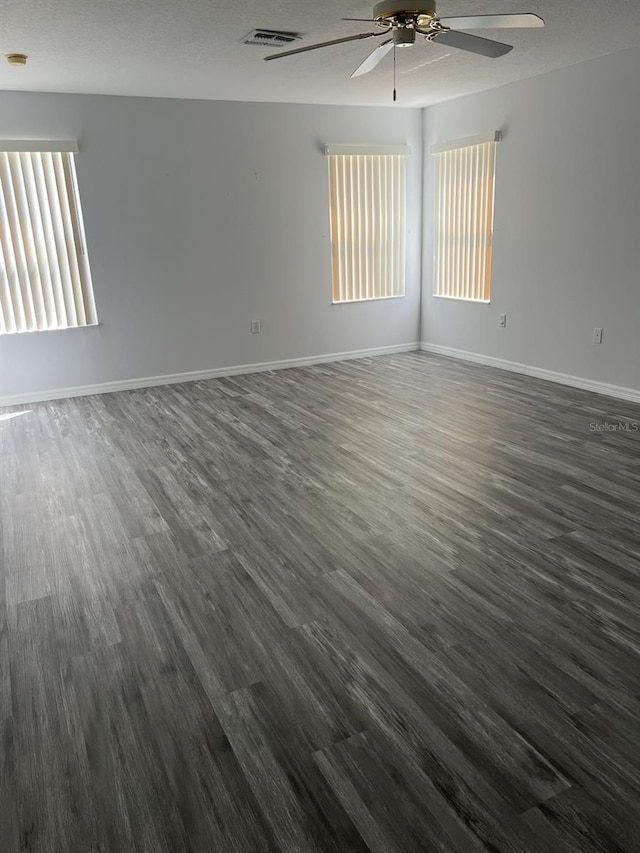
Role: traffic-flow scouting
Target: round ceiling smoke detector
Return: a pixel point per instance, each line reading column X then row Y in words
column 16, row 58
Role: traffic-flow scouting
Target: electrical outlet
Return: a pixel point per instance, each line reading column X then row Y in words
column 502, row 320
column 255, row 327
column 597, row 336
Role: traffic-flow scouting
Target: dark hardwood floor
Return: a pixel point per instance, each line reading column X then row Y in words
column 389, row 605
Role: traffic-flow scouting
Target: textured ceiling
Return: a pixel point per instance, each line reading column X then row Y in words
column 192, row 49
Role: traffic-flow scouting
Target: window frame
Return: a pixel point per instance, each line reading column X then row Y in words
column 357, row 207
column 45, row 282
column 464, row 213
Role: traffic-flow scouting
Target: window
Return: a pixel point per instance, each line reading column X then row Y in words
column 465, row 172
column 367, row 187
column 45, row 282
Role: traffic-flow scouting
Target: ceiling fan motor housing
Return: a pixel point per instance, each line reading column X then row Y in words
column 400, row 12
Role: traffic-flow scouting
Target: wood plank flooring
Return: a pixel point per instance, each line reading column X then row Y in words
column 388, row 605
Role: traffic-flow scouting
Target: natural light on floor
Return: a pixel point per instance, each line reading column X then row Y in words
column 9, row 415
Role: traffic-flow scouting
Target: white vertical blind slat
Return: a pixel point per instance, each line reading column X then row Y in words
column 399, row 181
column 375, row 283
column 11, row 304
column 453, row 200
column 471, row 224
column 36, row 200
column 342, row 242
column 32, row 281
column 490, row 208
column 336, row 225
column 449, row 281
column 81, row 256
column 464, row 276
column 45, row 281
column 355, row 224
column 386, row 231
column 457, row 224
column 402, row 206
column 368, row 245
column 442, row 216
column 375, row 225
column 483, row 222
column 7, row 316
column 390, row 230
column 440, row 225
column 482, row 180
column 66, row 253
column 360, row 193
column 476, row 239
column 468, row 222
column 396, row 216
column 46, row 205
column 22, row 298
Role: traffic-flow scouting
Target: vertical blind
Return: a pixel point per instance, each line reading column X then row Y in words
column 464, row 221
column 45, row 281
column 367, row 211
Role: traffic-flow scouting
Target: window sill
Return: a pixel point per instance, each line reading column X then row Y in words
column 462, row 299
column 45, row 331
column 366, row 299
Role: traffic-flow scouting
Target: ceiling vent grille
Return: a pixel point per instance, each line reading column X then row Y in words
column 270, row 38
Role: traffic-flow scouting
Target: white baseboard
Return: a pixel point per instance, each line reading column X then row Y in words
column 581, row 382
column 195, row 375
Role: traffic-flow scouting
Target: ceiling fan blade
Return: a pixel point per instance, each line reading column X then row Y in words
column 321, row 44
column 374, row 58
column 473, row 44
column 488, row 22
column 367, row 20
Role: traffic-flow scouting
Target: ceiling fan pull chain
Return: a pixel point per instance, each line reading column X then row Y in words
column 394, row 71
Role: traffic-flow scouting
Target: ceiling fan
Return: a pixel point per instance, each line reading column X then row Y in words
column 401, row 21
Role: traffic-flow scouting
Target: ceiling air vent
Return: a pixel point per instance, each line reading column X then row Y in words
column 272, row 38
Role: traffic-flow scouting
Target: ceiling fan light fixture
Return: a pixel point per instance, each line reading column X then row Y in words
column 404, row 36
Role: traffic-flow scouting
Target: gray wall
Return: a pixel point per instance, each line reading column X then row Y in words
column 567, row 222
column 201, row 216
